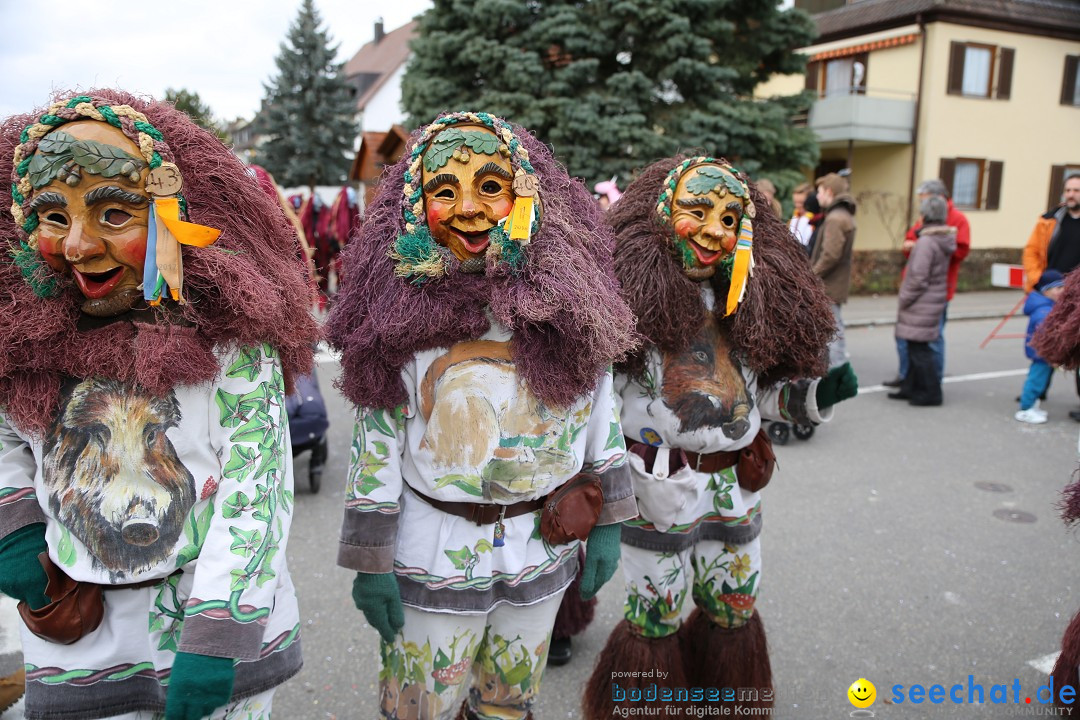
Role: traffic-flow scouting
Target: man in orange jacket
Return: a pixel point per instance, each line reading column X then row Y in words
column 1055, row 244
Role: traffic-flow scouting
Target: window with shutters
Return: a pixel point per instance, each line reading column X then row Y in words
column 839, row 76
column 1070, row 84
column 980, row 71
column 973, row 183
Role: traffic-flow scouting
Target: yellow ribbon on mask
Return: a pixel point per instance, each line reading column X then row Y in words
column 172, row 232
column 743, row 265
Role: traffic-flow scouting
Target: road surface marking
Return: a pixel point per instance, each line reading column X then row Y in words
column 1045, row 664
column 953, row 379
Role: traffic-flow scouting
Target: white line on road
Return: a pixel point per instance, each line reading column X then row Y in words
column 1046, row 663
column 954, row 379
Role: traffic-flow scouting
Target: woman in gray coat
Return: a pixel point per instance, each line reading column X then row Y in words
column 923, row 295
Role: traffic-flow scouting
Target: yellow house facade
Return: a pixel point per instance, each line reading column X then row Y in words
column 985, row 95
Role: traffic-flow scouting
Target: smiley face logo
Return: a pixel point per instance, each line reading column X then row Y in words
column 862, row 693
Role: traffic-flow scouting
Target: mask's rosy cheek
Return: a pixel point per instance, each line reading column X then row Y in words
column 130, row 249
column 500, row 208
column 438, row 213
column 686, row 228
column 51, row 248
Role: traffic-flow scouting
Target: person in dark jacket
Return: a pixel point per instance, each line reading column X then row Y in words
column 1040, row 301
column 923, row 295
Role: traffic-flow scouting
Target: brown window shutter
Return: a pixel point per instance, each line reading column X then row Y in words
column 956, row 67
column 1068, row 84
column 813, row 70
column 1057, row 185
column 946, row 172
column 1005, row 73
column 993, row 185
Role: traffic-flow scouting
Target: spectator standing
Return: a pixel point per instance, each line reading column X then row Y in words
column 830, row 258
column 923, row 296
column 955, row 219
column 768, row 189
column 1040, row 301
column 1055, row 244
column 799, row 225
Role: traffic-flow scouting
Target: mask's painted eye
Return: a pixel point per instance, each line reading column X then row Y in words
column 57, row 218
column 115, row 217
column 728, row 220
column 699, row 214
column 446, row 194
column 491, row 187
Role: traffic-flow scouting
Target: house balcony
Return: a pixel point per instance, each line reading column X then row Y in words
column 864, row 118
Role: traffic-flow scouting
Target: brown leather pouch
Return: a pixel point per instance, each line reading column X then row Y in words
column 756, row 463
column 571, row 512
column 75, row 611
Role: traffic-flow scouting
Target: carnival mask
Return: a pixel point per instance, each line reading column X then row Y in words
column 708, row 207
column 468, row 189
column 706, row 211
column 94, row 213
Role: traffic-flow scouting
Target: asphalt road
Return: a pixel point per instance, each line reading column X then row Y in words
column 892, row 551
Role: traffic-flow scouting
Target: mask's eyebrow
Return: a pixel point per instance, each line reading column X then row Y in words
column 439, row 180
column 48, row 198
column 495, row 170
column 112, row 192
column 734, row 205
column 694, row 202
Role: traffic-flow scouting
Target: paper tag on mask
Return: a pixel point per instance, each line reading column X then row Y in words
column 521, row 218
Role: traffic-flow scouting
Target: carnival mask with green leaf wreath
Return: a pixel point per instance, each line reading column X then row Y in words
column 707, row 204
column 470, row 194
column 97, row 199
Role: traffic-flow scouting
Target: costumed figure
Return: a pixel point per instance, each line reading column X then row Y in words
column 732, row 318
column 155, row 316
column 1058, row 342
column 344, row 217
column 477, row 325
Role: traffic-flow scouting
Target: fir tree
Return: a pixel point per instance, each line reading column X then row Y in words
column 615, row 84
column 200, row 113
column 309, row 110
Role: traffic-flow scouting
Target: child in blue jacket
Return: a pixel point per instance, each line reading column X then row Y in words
column 1037, row 306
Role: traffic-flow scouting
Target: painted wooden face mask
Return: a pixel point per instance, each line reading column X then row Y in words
column 468, row 189
column 94, row 213
column 102, row 209
column 710, row 211
column 705, row 215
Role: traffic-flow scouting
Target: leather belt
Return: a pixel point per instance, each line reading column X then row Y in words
column 483, row 513
column 700, row 462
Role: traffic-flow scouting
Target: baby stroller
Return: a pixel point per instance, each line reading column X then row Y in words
column 307, row 425
column 780, row 432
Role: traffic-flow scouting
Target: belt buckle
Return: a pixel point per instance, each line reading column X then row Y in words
column 697, row 464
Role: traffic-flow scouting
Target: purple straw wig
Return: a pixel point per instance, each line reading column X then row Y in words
column 245, row 289
column 562, row 305
column 781, row 327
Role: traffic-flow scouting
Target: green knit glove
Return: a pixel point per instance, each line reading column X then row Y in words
column 21, row 574
column 839, row 384
column 378, row 597
column 198, row 685
column 601, row 558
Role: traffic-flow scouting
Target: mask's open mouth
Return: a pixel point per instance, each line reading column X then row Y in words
column 474, row 242
column 97, row 285
column 704, row 255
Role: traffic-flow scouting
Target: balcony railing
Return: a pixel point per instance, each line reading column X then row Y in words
column 877, row 116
